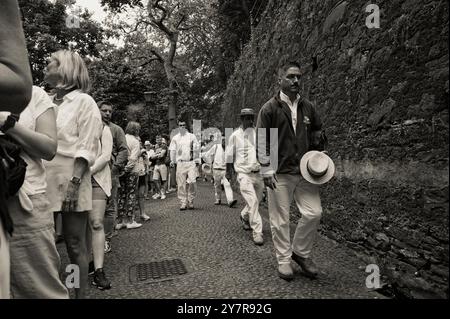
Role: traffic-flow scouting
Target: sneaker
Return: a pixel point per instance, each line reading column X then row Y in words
column 232, row 203
column 217, row 202
column 91, row 268
column 245, row 223
column 107, row 246
column 190, row 205
column 308, row 266
column 100, row 280
column 258, row 239
column 183, row 207
column 156, row 196
column 145, row 217
column 285, row 272
column 163, row 196
column 133, row 225
column 120, row 226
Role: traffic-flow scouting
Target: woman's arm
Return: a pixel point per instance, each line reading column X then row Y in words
column 15, row 74
column 41, row 143
column 105, row 156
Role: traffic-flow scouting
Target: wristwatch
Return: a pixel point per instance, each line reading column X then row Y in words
column 75, row 180
column 9, row 123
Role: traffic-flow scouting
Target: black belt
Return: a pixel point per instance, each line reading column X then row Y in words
column 219, row 169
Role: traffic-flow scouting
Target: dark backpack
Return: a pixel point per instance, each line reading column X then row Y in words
column 12, row 175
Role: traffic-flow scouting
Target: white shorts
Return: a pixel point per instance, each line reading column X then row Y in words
column 160, row 171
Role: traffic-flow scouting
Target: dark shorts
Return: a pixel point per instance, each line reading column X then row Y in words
column 141, row 180
column 97, row 191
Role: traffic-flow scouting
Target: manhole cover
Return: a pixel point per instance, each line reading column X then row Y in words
column 158, row 270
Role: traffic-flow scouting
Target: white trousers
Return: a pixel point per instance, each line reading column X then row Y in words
column 186, row 174
column 307, row 198
column 219, row 179
column 251, row 186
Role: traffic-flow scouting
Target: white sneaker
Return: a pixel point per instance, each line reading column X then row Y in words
column 163, row 196
column 156, row 196
column 145, row 217
column 133, row 225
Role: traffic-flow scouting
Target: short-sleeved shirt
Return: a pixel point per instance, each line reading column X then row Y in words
column 35, row 180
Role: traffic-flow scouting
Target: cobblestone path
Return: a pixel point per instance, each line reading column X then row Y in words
column 221, row 259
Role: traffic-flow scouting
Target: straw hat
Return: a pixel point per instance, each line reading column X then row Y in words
column 317, row 167
column 247, row 111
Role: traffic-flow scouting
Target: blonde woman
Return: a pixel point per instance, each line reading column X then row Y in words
column 79, row 128
column 128, row 196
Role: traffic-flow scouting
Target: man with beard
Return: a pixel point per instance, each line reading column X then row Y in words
column 298, row 125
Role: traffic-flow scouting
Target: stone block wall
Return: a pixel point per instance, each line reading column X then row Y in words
column 383, row 96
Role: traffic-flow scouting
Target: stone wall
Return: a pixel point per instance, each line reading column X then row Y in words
column 383, row 96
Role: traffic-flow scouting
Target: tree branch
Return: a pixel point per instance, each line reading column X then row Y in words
column 149, row 61
column 182, row 19
column 159, row 23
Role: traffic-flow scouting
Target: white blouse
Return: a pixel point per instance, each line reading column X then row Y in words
column 79, row 126
column 35, row 181
column 101, row 170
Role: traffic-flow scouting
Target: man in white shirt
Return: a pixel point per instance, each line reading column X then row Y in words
column 216, row 156
column 184, row 153
column 241, row 150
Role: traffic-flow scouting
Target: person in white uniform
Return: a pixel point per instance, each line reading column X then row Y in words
column 241, row 150
column 216, row 156
column 184, row 153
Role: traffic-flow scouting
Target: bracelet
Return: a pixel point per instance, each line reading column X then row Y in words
column 9, row 123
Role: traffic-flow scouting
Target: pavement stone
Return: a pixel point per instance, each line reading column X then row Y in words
column 225, row 262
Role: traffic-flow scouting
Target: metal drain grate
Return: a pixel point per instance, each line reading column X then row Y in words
column 157, row 270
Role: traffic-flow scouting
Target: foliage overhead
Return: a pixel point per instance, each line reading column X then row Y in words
column 46, row 31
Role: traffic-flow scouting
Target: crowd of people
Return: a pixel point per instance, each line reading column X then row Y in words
column 95, row 177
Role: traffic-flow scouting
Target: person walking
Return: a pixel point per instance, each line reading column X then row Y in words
column 241, row 150
column 184, row 153
column 216, row 156
column 298, row 124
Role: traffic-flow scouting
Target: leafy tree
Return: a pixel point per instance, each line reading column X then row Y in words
column 46, row 31
column 170, row 24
